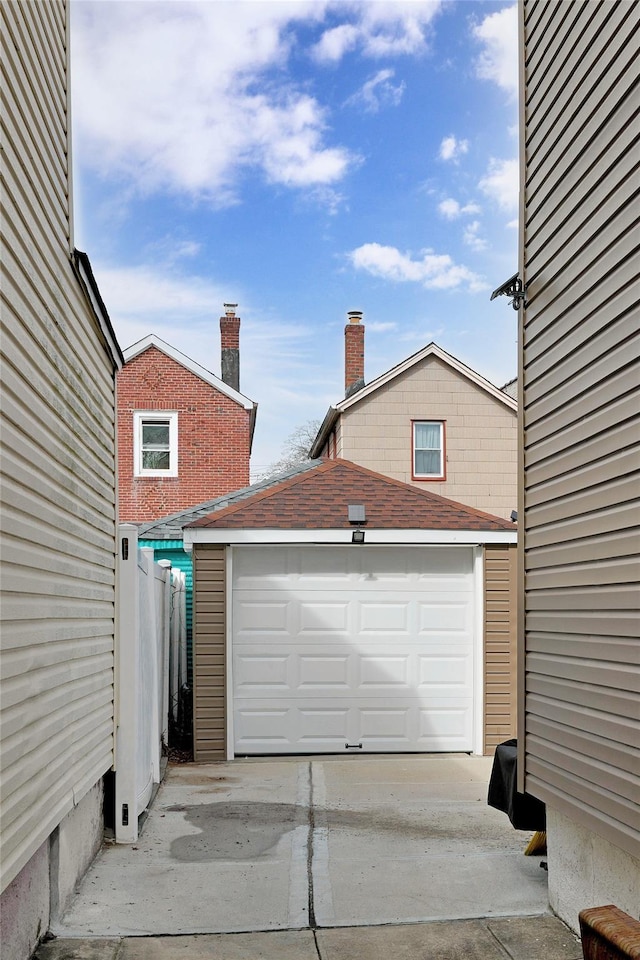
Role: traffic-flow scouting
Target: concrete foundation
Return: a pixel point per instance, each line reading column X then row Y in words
column 46, row 884
column 587, row 871
column 73, row 847
column 24, row 908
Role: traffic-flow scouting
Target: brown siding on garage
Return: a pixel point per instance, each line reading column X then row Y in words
column 580, row 403
column 209, row 637
column 499, row 645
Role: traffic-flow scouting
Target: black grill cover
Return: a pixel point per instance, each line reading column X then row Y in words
column 524, row 811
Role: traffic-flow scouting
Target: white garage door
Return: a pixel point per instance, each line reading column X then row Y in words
column 352, row 648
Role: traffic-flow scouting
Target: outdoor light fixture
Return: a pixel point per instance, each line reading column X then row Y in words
column 357, row 536
column 512, row 287
column 514, row 516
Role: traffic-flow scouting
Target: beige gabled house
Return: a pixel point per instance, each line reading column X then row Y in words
column 430, row 421
column 579, row 723
column 58, row 507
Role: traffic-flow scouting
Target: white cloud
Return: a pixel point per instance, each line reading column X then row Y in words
column 501, row 183
column 379, row 28
column 498, row 61
column 149, row 78
column 472, row 236
column 380, row 326
column 450, row 209
column 335, row 43
column 154, row 298
column 434, row 271
column 452, row 149
column 378, row 92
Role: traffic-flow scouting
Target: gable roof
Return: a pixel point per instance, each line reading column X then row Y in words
column 318, row 500
column 171, row 526
column 431, row 350
column 152, row 341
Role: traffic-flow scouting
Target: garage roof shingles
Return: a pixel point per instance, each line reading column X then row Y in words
column 319, row 499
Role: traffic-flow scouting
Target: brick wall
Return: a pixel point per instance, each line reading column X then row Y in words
column 213, row 438
column 353, row 354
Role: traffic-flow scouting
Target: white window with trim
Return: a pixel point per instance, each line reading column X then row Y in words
column 428, row 450
column 155, row 443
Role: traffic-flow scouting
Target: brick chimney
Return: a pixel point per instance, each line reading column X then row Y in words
column 353, row 353
column 230, row 346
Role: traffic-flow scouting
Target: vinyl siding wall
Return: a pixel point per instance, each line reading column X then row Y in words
column 580, row 420
column 209, row 632
column 481, row 435
column 500, row 597
column 58, row 461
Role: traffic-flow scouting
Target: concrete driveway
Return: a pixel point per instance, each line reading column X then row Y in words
column 286, row 844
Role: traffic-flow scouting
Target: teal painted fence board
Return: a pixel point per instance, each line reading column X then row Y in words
column 173, row 551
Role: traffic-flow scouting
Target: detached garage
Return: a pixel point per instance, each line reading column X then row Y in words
column 314, row 633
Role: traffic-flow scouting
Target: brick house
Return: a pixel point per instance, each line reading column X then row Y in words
column 184, row 434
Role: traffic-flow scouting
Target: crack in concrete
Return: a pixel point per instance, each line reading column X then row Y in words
column 310, row 836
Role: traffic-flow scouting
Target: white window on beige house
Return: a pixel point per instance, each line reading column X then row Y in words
column 428, row 450
column 155, row 443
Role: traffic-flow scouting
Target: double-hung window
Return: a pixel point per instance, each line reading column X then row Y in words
column 155, row 443
column 428, row 450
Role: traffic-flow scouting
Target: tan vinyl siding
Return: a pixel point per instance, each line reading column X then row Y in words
column 581, row 413
column 209, row 637
column 480, row 435
column 499, row 645
column 35, row 112
column 57, row 508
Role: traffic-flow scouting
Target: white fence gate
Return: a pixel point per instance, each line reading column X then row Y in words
column 150, row 637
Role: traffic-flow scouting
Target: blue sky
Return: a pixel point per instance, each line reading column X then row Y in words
column 300, row 158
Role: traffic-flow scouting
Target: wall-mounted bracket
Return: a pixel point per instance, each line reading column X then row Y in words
column 514, row 288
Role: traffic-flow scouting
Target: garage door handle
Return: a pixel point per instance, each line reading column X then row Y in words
column 353, row 746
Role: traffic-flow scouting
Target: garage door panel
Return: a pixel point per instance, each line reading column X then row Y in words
column 389, row 724
column 322, row 725
column 323, row 617
column 265, row 671
column 445, row 672
column 265, row 728
column 373, row 617
column 350, row 645
column 326, row 564
column 449, row 725
column 285, row 669
column 325, row 671
column 439, row 618
column 382, row 672
column 313, row 727
column 255, row 568
column 267, row 616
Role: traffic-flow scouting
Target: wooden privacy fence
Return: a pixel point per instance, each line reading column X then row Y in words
column 150, row 650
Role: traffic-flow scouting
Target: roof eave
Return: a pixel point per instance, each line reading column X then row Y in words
column 323, row 433
column 84, row 273
column 342, row 536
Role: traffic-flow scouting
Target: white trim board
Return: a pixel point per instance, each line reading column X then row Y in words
column 401, row 537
